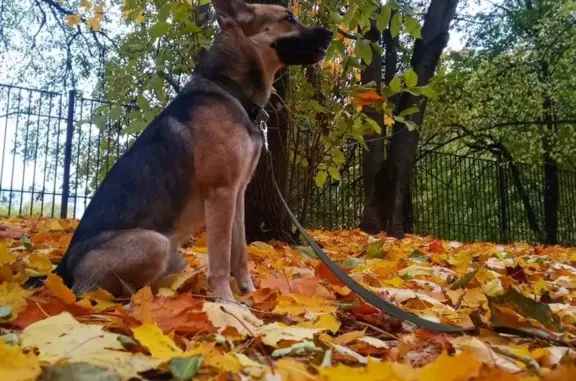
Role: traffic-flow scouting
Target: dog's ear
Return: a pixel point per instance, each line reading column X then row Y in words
column 232, row 12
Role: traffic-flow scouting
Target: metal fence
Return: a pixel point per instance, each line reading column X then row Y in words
column 53, row 157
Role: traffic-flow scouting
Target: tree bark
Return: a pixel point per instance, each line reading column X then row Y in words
column 265, row 217
column 392, row 182
column 372, row 157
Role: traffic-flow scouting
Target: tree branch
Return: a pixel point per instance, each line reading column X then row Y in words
column 170, row 80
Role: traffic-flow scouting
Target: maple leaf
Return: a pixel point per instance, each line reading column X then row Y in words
column 296, row 304
column 13, row 297
column 160, row 346
column 55, row 284
column 462, row 367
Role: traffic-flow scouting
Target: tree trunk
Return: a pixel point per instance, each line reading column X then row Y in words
column 392, row 182
column 372, row 157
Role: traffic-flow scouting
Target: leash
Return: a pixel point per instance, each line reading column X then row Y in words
column 362, row 292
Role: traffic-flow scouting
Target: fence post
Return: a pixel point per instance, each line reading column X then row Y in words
column 68, row 153
column 503, row 200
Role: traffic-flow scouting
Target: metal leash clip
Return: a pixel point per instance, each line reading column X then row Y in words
column 261, row 121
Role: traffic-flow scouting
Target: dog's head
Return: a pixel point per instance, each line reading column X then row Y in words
column 274, row 31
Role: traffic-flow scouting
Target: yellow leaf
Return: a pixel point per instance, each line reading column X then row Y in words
column 54, row 225
column 296, row 304
column 540, row 286
column 61, row 337
column 227, row 363
column 86, row 4
column 292, row 370
column 272, row 334
column 349, row 337
column 374, row 371
column 17, row 366
column 40, row 263
column 99, row 10
column 159, row 345
column 13, row 296
column 139, row 19
column 55, row 284
column 324, row 322
column 94, row 23
column 6, row 257
column 462, row 367
column 388, row 120
column 100, row 300
column 73, row 20
column 396, row 282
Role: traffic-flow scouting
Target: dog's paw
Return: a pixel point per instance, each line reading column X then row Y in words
column 245, row 284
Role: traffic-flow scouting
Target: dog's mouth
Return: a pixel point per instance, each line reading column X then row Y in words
column 306, row 48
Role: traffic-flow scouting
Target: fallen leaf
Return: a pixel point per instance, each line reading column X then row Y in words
column 462, row 367
column 61, row 337
column 160, row 346
column 296, row 304
column 349, row 337
column 13, row 296
column 55, row 284
column 228, row 315
column 323, row 322
column 16, row 365
column 272, row 334
column 185, row 368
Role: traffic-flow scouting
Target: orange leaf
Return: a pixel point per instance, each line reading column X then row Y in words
column 304, row 286
column 367, row 98
column 181, row 313
column 322, row 271
column 55, row 284
column 436, row 247
column 44, row 305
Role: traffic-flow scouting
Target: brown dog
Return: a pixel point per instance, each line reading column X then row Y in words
column 190, row 167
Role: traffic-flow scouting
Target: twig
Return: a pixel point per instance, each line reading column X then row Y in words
column 270, row 362
column 380, row 330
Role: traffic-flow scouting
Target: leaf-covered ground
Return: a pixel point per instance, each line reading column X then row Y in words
column 302, row 324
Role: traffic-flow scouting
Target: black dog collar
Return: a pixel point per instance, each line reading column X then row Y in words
column 256, row 113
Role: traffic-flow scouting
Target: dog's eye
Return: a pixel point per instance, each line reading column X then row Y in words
column 291, row 19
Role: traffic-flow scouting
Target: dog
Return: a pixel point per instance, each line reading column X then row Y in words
column 190, row 167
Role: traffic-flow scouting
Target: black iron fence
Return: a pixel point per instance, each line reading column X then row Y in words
column 55, row 151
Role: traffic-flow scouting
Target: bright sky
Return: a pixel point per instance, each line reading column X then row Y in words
column 13, row 172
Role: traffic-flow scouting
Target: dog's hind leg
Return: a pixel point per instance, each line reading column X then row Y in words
column 220, row 204
column 239, row 260
column 133, row 258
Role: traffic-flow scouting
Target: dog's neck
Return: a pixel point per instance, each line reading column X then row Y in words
column 241, row 63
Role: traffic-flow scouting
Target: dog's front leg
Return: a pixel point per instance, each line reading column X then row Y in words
column 220, row 204
column 239, row 255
